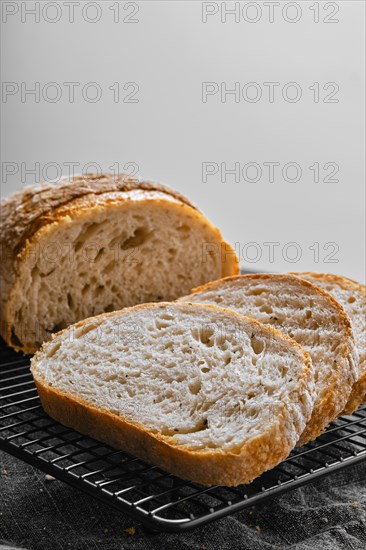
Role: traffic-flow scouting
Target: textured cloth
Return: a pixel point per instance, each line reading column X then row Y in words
column 41, row 514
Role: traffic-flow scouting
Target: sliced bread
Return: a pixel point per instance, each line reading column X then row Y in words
column 311, row 317
column 352, row 296
column 200, row 391
column 99, row 243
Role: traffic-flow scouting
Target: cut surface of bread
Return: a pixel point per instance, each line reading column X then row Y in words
column 200, row 391
column 308, row 315
column 352, row 296
column 96, row 244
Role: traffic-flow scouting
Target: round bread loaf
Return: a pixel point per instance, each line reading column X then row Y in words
column 99, row 243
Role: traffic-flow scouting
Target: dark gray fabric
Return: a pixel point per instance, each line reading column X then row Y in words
column 39, row 515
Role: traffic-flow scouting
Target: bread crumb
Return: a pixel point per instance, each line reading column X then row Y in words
column 258, row 528
column 105, row 531
column 5, row 472
column 49, row 478
column 354, row 503
column 130, row 531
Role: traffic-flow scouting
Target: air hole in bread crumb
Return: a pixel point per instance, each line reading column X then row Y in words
column 53, row 349
column 257, row 291
column 166, row 316
column 85, row 289
column 266, row 309
column 308, row 314
column 351, row 299
column 184, row 228
column 86, row 234
column 195, row 386
column 98, row 291
column 85, row 329
column 109, row 267
column 70, row 301
column 252, row 413
column 169, row 345
column 111, row 378
column 283, row 370
column 160, row 324
column 257, row 345
column 205, row 369
column 221, row 342
column 334, row 347
column 35, row 272
column 138, row 238
column 204, row 335
column 99, row 254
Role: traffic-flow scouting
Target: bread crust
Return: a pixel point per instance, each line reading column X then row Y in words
column 29, row 212
column 25, row 212
column 339, row 390
column 207, row 467
column 358, row 393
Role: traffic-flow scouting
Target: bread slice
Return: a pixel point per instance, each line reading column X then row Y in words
column 308, row 315
column 352, row 296
column 199, row 391
column 99, row 243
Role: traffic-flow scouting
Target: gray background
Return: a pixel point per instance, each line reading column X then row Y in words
column 169, row 132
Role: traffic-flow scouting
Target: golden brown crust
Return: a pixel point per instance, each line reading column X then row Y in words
column 207, row 467
column 343, row 282
column 331, row 404
column 358, row 393
column 30, row 211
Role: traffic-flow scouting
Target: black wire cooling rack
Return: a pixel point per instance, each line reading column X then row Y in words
column 155, row 498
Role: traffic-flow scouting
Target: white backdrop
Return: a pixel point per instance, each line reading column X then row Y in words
column 145, row 87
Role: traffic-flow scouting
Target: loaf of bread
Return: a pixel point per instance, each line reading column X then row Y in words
column 99, row 243
column 310, row 316
column 352, row 296
column 200, row 391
